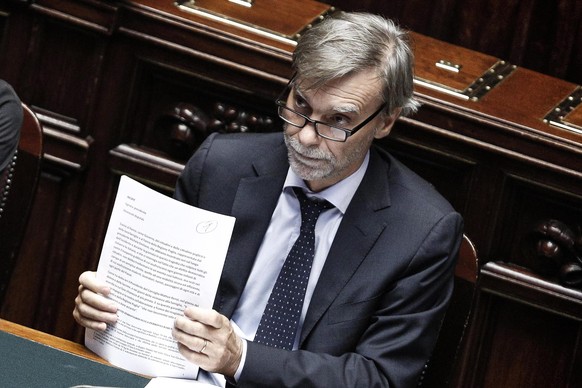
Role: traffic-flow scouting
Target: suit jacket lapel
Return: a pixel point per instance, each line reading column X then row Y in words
column 253, row 206
column 359, row 229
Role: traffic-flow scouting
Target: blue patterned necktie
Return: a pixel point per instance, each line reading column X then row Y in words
column 279, row 322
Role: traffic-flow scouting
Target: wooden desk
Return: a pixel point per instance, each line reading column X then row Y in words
column 49, row 340
column 31, row 359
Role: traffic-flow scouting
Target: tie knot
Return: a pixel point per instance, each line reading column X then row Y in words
column 310, row 208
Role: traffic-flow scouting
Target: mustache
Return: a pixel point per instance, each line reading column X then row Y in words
column 308, row 152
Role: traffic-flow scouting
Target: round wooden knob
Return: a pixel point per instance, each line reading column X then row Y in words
column 181, row 129
column 548, row 257
column 571, row 275
column 549, row 246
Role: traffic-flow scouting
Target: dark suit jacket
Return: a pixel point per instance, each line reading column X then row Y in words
column 376, row 311
column 10, row 122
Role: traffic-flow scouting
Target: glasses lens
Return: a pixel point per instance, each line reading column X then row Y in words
column 324, row 130
column 291, row 117
column 331, row 132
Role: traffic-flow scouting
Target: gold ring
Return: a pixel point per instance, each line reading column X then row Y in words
column 204, row 347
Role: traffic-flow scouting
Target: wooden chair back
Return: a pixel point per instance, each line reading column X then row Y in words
column 19, row 182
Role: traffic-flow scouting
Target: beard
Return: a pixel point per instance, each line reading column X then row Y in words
column 313, row 164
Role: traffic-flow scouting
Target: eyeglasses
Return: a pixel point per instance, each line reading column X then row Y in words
column 324, row 130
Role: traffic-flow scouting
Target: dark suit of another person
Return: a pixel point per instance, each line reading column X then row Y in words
column 10, row 122
column 384, row 289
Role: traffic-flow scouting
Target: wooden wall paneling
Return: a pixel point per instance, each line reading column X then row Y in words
column 214, row 42
column 40, row 259
column 527, row 195
column 173, row 111
column 58, row 79
column 63, row 49
column 539, row 35
column 437, row 159
column 494, row 136
column 187, row 63
column 16, row 28
column 529, row 348
column 417, row 15
column 532, row 319
column 4, row 31
column 527, row 201
column 165, row 83
column 551, row 47
column 92, row 14
column 160, row 88
column 515, row 106
column 576, row 379
column 495, row 37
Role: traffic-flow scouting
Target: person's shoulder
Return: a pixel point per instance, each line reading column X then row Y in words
column 4, row 86
column 7, row 93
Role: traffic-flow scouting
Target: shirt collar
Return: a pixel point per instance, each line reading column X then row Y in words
column 340, row 194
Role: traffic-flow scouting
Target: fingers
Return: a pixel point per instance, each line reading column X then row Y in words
column 88, row 323
column 93, row 300
column 207, row 339
column 93, row 309
column 206, row 317
column 191, row 342
column 191, row 327
column 89, row 280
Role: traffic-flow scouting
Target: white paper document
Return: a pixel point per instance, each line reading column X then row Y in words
column 159, row 256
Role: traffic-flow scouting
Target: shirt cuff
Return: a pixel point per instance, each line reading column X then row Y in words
column 242, row 360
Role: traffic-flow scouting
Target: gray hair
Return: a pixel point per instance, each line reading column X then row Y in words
column 347, row 43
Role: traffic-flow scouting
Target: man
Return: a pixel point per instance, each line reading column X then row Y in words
column 10, row 122
column 384, row 255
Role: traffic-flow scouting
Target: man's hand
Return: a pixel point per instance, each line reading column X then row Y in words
column 92, row 308
column 206, row 338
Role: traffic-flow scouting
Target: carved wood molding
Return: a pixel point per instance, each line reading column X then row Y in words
column 97, row 16
column 524, row 286
column 63, row 145
column 555, row 249
column 180, row 129
column 145, row 165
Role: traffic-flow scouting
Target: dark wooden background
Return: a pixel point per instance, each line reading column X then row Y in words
column 113, row 81
column 541, row 35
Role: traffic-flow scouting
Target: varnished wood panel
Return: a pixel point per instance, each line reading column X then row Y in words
column 528, row 331
column 59, row 49
column 160, row 89
column 453, row 173
column 528, row 348
column 540, row 35
column 526, row 201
